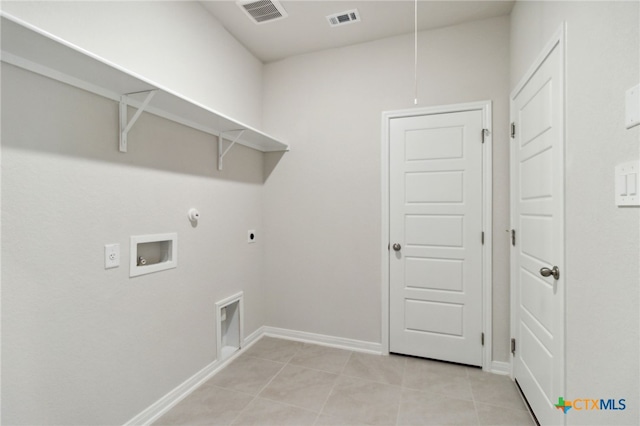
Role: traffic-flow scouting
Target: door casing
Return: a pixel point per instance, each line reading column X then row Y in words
column 485, row 108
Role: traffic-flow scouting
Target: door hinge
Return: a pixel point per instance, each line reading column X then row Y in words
column 513, row 237
column 482, row 339
column 485, row 133
column 482, row 238
column 513, row 130
column 513, row 346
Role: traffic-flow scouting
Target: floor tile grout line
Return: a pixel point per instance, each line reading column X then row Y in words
column 263, row 359
column 271, row 379
column 314, row 369
column 294, row 405
column 370, row 379
column 335, row 383
column 341, row 373
column 276, row 375
column 253, row 398
column 288, row 404
column 402, row 388
column 259, row 391
column 285, row 364
column 230, row 390
column 475, row 409
column 502, row 406
column 374, row 381
column 533, row 423
column 470, row 379
column 257, row 396
column 240, row 412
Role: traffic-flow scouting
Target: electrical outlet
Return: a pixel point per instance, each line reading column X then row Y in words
column 251, row 236
column 111, row 256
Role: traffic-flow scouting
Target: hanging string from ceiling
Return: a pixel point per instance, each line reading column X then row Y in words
column 415, row 52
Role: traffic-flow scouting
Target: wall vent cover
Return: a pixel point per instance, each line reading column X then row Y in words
column 263, row 11
column 343, row 18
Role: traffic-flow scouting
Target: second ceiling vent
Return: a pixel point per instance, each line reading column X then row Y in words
column 343, row 18
column 263, row 11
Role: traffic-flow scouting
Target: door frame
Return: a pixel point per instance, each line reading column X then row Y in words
column 558, row 40
column 487, row 181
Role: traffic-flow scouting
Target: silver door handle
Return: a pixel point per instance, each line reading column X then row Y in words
column 546, row 272
column 396, row 247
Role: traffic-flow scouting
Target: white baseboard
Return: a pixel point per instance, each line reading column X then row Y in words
column 171, row 399
column 253, row 337
column 164, row 404
column 500, row 367
column 324, row 340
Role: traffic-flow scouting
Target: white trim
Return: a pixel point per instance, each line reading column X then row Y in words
column 171, row 399
column 324, row 340
column 487, row 248
column 238, row 297
column 253, row 337
column 501, row 367
column 385, row 216
column 485, row 107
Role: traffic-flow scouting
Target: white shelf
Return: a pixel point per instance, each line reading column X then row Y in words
column 31, row 48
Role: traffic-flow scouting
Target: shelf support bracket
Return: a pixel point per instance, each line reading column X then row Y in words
column 222, row 153
column 126, row 126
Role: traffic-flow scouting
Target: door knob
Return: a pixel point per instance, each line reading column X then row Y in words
column 546, row 272
column 396, row 246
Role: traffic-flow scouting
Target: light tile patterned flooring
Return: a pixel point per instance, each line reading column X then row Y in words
column 281, row 382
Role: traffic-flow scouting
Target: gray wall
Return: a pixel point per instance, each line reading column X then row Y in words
column 322, row 203
column 176, row 44
column 85, row 345
column 602, row 240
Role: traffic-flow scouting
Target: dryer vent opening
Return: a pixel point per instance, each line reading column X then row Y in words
column 229, row 318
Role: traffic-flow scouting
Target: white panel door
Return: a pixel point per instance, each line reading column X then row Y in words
column 435, row 258
column 537, row 164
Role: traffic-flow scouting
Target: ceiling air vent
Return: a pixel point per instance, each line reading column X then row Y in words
column 263, row 11
column 342, row 18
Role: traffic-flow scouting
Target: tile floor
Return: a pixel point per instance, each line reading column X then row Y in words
column 281, row 382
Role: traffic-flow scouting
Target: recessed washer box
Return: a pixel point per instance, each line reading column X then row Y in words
column 153, row 253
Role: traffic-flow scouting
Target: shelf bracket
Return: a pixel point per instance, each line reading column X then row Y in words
column 126, row 125
column 222, row 153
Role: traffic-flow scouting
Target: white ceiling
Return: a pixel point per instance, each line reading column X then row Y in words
column 306, row 28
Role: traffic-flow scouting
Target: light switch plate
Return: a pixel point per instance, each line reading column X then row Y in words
column 632, row 107
column 627, row 183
